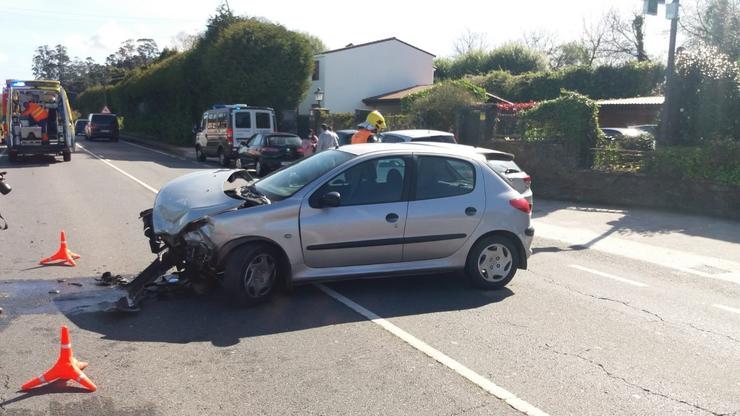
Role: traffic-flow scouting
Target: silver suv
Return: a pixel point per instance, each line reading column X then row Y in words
column 362, row 210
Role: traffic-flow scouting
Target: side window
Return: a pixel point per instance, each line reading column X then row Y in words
column 316, row 71
column 222, row 120
column 377, row 181
column 389, row 138
column 262, row 120
column 442, row 177
column 243, row 120
column 256, row 141
column 211, row 121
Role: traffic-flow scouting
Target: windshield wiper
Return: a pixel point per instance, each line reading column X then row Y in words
column 510, row 170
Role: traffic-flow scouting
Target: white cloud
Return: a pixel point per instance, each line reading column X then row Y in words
column 3, row 57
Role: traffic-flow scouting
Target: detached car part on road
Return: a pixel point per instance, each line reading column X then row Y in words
column 360, row 211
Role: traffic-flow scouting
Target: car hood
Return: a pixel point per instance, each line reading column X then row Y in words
column 190, row 198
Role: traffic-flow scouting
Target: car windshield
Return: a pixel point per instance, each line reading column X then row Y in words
column 286, row 182
column 284, row 141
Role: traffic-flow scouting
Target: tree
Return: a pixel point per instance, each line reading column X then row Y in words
column 317, row 45
column 626, row 37
column 593, row 40
column 572, row 53
column 51, row 63
column 543, row 41
column 182, row 41
column 438, row 108
column 470, row 42
column 715, row 23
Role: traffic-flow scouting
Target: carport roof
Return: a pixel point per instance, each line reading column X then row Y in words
column 656, row 100
column 394, row 96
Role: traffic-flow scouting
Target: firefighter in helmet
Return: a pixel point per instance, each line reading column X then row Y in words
column 366, row 130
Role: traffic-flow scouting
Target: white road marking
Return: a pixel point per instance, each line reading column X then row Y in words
column 128, row 175
column 607, row 275
column 418, row 344
column 727, row 308
column 156, row 151
column 440, row 357
column 673, row 259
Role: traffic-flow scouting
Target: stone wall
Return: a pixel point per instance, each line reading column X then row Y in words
column 555, row 175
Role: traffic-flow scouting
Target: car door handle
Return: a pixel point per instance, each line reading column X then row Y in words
column 470, row 211
column 391, row 217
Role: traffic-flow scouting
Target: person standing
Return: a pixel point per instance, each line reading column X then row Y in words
column 366, row 131
column 309, row 144
column 327, row 139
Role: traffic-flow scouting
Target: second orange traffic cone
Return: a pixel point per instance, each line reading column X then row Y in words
column 66, row 368
column 63, row 254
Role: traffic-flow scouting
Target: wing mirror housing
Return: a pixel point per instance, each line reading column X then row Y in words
column 331, row 200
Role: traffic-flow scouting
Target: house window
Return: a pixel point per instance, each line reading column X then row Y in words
column 315, row 76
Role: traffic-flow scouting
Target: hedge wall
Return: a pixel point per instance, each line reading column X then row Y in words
column 250, row 61
column 628, row 80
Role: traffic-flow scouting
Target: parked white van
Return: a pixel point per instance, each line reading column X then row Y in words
column 224, row 126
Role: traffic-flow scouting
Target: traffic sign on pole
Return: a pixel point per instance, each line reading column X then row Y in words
column 105, row 110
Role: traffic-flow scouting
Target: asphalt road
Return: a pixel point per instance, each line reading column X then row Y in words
column 621, row 312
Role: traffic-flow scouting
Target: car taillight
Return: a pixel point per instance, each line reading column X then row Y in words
column 299, row 150
column 527, row 180
column 230, row 136
column 521, row 204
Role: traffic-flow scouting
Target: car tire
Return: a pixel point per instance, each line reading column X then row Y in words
column 66, row 156
column 259, row 169
column 238, row 163
column 251, row 274
column 12, row 157
column 492, row 262
column 115, row 139
column 199, row 155
column 222, row 159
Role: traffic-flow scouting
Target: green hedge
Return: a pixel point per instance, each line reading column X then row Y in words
column 714, row 161
column 249, row 62
column 571, row 118
column 628, row 80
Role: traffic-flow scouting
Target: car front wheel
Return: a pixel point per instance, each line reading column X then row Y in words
column 492, row 262
column 199, row 155
column 251, row 273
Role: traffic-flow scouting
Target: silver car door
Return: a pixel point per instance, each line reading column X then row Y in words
column 367, row 227
column 447, row 204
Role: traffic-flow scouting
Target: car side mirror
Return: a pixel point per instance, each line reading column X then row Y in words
column 331, row 199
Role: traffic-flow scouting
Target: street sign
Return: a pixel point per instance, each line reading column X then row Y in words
column 105, row 110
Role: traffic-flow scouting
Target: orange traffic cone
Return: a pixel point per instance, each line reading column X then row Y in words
column 66, row 368
column 63, row 254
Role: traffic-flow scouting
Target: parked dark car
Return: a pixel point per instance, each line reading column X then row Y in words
column 266, row 152
column 101, row 126
column 345, row 136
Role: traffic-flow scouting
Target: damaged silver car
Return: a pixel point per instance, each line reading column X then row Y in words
column 370, row 210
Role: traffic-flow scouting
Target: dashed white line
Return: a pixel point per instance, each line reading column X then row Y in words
column 123, row 172
column 727, row 308
column 438, row 356
column 475, row 378
column 607, row 275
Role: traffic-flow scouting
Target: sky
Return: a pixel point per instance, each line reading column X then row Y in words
column 97, row 28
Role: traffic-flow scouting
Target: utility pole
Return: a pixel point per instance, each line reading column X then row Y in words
column 667, row 124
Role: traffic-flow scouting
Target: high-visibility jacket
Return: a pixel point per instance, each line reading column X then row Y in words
column 36, row 112
column 363, row 136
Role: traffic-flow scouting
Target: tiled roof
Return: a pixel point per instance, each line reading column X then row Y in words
column 395, row 96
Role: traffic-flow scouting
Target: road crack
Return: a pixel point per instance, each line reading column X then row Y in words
column 614, row 376
column 468, row 409
column 731, row 338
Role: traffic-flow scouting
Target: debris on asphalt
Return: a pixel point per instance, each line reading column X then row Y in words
column 75, row 284
column 54, row 292
column 107, row 279
column 61, row 280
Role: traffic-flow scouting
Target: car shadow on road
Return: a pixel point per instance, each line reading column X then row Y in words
column 183, row 317
column 33, row 161
column 55, row 387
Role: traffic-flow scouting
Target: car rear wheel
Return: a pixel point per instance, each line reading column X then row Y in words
column 199, row 155
column 492, row 262
column 13, row 156
column 238, row 163
column 66, row 155
column 259, row 169
column 251, row 273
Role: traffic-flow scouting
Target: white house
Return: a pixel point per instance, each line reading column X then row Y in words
column 349, row 75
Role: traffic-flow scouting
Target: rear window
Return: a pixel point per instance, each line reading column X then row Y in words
column 504, row 166
column 243, row 120
column 103, row 119
column 282, row 141
column 262, row 120
column 438, row 139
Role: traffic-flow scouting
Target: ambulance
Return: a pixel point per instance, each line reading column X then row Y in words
column 38, row 119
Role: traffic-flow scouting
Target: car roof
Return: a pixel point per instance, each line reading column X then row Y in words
column 431, row 147
column 415, row 133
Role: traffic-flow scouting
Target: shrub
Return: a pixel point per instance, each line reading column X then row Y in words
column 715, row 161
column 628, row 80
column 437, row 107
column 513, row 58
column 571, row 118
